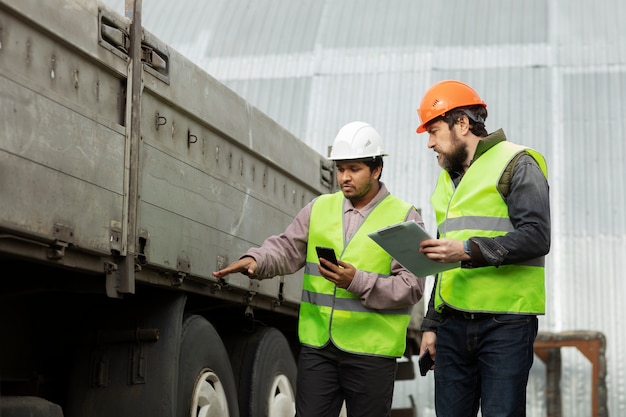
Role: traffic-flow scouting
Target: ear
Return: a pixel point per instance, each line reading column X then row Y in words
column 464, row 124
column 377, row 171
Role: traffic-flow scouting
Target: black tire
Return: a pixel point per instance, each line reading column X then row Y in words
column 265, row 370
column 206, row 384
column 28, row 406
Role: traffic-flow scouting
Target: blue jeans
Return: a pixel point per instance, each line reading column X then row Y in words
column 483, row 362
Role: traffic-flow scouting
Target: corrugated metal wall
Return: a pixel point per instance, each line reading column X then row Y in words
column 553, row 73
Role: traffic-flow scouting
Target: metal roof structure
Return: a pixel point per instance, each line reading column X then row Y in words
column 553, row 73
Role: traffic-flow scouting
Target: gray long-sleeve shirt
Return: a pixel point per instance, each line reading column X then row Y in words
column 286, row 253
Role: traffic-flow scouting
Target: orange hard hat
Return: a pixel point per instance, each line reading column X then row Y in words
column 445, row 96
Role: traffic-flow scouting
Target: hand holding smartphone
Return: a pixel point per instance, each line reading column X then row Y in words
column 326, row 253
column 425, row 362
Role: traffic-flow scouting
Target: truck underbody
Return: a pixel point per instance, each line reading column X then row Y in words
column 128, row 175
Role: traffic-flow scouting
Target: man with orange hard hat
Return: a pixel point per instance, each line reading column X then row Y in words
column 492, row 209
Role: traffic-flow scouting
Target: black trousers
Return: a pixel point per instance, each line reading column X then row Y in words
column 328, row 376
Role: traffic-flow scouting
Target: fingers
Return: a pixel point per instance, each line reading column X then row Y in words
column 246, row 266
column 340, row 275
column 330, row 271
column 429, row 340
column 430, row 243
column 219, row 274
column 226, row 271
column 443, row 250
column 327, row 265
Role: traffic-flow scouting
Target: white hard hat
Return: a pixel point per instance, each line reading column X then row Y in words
column 357, row 140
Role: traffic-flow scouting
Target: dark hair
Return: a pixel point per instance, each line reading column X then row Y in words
column 476, row 115
column 375, row 163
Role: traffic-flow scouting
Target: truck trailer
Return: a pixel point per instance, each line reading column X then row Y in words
column 127, row 176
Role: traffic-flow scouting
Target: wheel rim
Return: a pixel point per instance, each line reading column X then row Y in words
column 209, row 396
column 282, row 401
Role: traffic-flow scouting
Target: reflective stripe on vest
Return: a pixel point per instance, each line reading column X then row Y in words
column 476, row 208
column 327, row 311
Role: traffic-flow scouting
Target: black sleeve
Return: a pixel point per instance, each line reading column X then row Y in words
column 529, row 211
column 432, row 319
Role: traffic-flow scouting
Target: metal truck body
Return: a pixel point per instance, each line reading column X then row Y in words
column 128, row 175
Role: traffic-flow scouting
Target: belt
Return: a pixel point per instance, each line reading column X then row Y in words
column 450, row 312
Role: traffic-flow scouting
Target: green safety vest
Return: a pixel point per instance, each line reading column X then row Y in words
column 329, row 312
column 476, row 208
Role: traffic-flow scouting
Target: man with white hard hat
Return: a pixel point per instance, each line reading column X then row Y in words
column 354, row 314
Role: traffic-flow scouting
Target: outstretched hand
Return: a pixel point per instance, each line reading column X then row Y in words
column 246, row 265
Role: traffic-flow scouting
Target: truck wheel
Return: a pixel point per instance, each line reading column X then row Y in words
column 206, row 385
column 265, row 370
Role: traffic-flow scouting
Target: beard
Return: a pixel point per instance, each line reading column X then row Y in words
column 357, row 193
column 454, row 161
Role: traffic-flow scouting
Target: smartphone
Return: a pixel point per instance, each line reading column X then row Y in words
column 425, row 362
column 326, row 253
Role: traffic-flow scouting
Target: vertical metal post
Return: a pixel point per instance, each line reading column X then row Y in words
column 133, row 140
